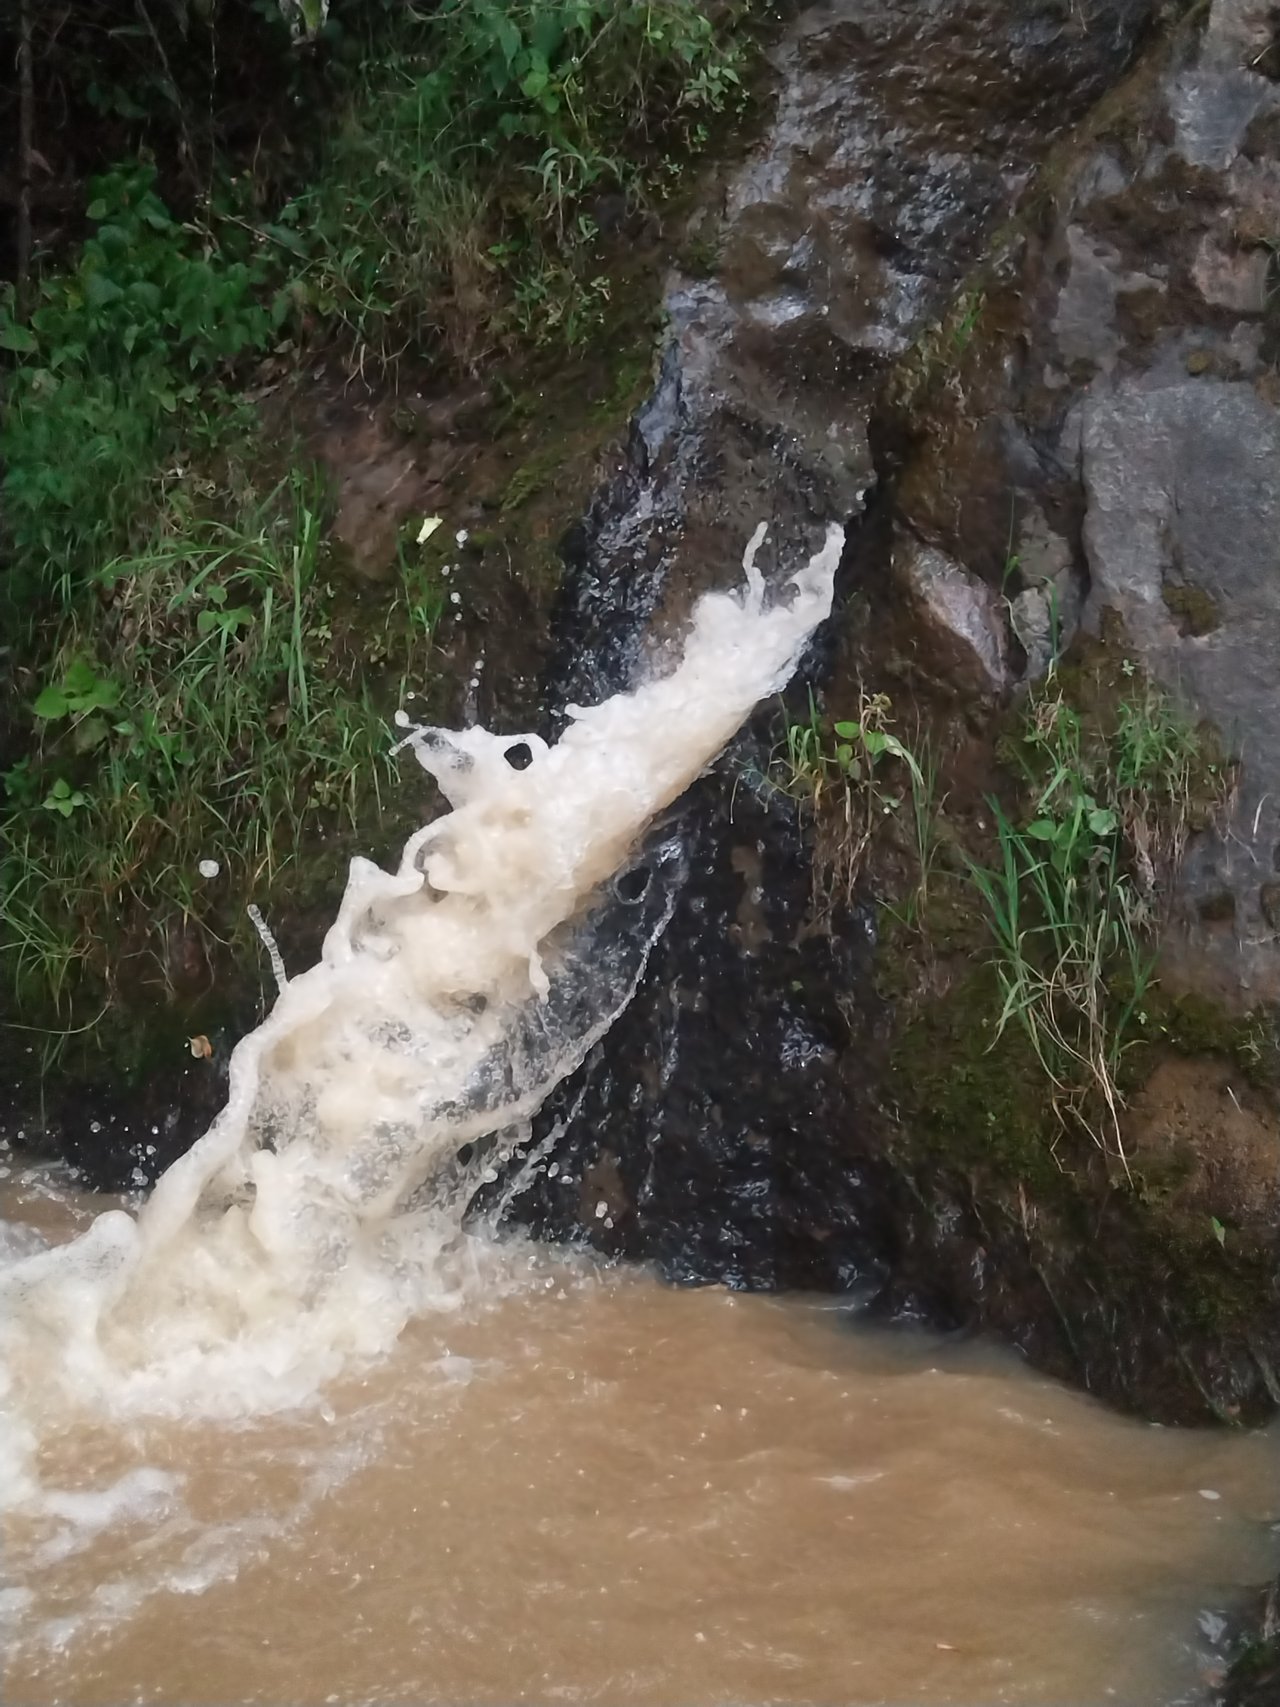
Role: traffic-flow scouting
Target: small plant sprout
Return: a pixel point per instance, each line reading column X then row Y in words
column 850, row 776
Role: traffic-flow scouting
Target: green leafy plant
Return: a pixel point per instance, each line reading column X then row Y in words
column 1074, row 902
column 243, row 725
column 113, row 353
column 455, row 201
column 852, row 775
column 63, row 799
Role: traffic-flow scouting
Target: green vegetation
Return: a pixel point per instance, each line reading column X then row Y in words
column 208, row 705
column 1108, row 777
column 119, row 370
column 851, row 774
column 189, row 675
column 1074, row 901
column 480, row 153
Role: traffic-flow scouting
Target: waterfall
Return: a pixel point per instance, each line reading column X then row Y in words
column 323, row 1208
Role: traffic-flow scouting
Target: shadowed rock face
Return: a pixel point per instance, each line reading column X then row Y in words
column 709, row 1131
column 721, row 1128
column 902, row 135
column 1182, row 478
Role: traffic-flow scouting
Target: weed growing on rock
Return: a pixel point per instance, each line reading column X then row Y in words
column 484, row 148
column 1076, row 898
column 851, row 775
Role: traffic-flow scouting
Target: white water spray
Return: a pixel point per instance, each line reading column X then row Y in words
column 315, row 1216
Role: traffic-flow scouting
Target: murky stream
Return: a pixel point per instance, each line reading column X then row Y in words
column 593, row 1488
column 290, row 1434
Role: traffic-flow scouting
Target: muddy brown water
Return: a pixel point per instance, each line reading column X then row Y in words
column 591, row 1487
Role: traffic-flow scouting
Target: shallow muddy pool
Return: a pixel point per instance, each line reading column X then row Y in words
column 589, row 1487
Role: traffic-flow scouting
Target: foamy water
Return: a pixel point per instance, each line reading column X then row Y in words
column 322, row 1210
column 287, row 1433
column 583, row 1486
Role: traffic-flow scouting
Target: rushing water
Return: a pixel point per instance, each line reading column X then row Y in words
column 290, row 1433
column 322, row 1210
column 584, row 1486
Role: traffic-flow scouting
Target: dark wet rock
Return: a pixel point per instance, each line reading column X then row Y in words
column 961, row 616
column 903, row 133
column 120, row 1130
column 1254, row 1680
column 931, row 1179
column 735, row 1124
column 701, row 1131
column 1107, row 446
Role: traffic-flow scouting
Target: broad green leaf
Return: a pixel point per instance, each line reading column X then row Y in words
column 100, row 291
column 90, row 734
column 16, row 338
column 81, row 677
column 51, row 703
column 104, row 694
column 509, row 38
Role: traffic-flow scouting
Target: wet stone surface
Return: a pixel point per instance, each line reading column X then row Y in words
column 719, row 1124
column 703, row 1130
column 1122, row 389
column 740, row 1124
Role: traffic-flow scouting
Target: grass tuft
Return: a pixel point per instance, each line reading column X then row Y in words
column 1081, row 885
column 206, row 707
column 184, row 681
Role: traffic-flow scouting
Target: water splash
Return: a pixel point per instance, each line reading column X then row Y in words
column 323, row 1207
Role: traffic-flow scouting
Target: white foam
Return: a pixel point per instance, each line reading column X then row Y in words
column 323, row 1207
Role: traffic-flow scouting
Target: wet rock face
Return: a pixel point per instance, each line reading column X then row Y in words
column 903, row 133
column 1183, row 483
column 961, row 617
column 901, row 129
column 723, row 1127
column 742, row 1122
column 1131, row 367
column 704, row 1131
